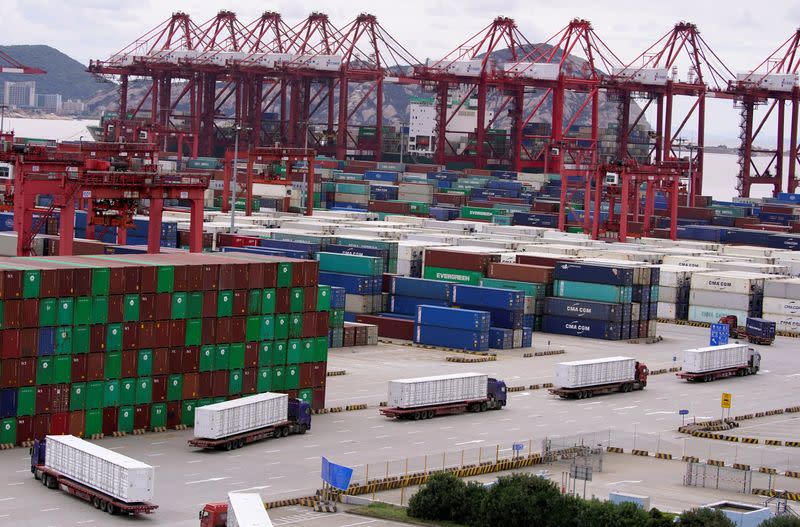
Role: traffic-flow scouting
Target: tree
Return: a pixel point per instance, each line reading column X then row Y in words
column 522, row 500
column 470, row 511
column 441, row 498
column 659, row 519
column 782, row 521
column 704, row 518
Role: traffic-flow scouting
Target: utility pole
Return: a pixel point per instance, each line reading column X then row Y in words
column 235, row 170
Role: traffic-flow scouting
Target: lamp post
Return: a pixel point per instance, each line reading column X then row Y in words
column 238, row 129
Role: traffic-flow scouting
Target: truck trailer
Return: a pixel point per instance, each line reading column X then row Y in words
column 717, row 362
column 232, row 424
column 427, row 397
column 113, row 483
column 755, row 330
column 586, row 378
column 243, row 509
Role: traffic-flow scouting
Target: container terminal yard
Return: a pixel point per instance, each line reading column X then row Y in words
column 207, row 316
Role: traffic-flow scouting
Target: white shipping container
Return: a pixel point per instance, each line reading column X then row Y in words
column 782, row 82
column 781, row 306
column 534, row 70
column 595, row 372
column 246, row 509
column 714, row 358
column 704, row 297
column 667, row 310
column 119, row 476
column 215, row 421
column 692, row 262
column 786, row 288
column 438, row 389
column 753, row 267
column 787, row 323
column 729, row 281
column 648, row 76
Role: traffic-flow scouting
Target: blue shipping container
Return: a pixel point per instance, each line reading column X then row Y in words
column 353, row 284
column 421, row 288
column 408, row 305
column 8, row 403
column 566, row 307
column 47, row 341
column 490, row 297
column 593, row 273
column 501, row 338
column 452, row 338
column 597, row 329
column 448, row 317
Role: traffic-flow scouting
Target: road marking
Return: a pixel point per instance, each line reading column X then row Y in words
column 381, row 437
column 84, row 522
column 276, row 463
column 624, row 408
column 348, row 453
column 155, row 455
column 470, row 442
column 521, row 394
column 312, row 457
column 23, row 470
column 343, row 431
column 49, row 510
column 15, row 484
column 420, row 443
column 155, row 443
column 339, row 421
column 271, row 451
column 415, row 432
column 7, row 499
column 659, row 413
column 591, row 404
column 276, row 477
column 382, row 448
column 377, row 426
column 195, row 461
column 310, row 446
column 252, row 488
column 359, row 523
column 625, row 481
column 209, row 480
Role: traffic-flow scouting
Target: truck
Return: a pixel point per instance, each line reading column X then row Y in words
column 428, row 397
column 113, row 483
column 718, row 362
column 233, row 424
column 581, row 379
column 755, row 330
column 243, row 509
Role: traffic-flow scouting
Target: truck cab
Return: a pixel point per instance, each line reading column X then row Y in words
column 214, row 515
column 496, row 390
column 641, row 373
column 300, row 413
column 37, row 454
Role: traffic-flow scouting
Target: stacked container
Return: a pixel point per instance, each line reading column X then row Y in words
column 782, row 304
column 506, row 308
column 360, row 276
column 104, row 344
column 721, row 293
column 453, row 328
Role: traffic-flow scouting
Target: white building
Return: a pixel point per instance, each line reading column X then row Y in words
column 422, row 124
column 19, row 94
column 50, row 102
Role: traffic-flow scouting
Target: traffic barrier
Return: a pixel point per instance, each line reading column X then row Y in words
column 690, row 459
column 771, row 493
column 6, row 446
column 515, row 388
column 470, row 360
column 793, row 409
column 336, row 373
column 615, row 450
column 715, row 462
column 547, row 385
column 773, row 442
column 658, row 372
column 637, row 452
column 354, row 407
column 548, row 352
column 306, row 501
column 662, row 455
column 767, row 470
column 741, row 466
column 792, row 474
column 383, row 403
column 795, row 444
column 749, row 440
column 527, row 355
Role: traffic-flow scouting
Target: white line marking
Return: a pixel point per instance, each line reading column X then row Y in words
column 207, row 480
column 470, row 442
column 625, row 481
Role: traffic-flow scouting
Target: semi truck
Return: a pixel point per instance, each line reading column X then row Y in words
column 718, row 362
column 428, row 397
column 113, row 483
column 586, row 378
column 232, row 424
column 243, row 509
column 755, row 330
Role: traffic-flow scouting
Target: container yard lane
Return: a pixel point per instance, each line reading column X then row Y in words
column 187, row 478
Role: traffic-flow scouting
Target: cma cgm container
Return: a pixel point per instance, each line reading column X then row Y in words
column 717, row 362
column 426, row 397
column 594, row 273
column 567, row 307
column 593, row 291
column 584, row 378
column 581, row 327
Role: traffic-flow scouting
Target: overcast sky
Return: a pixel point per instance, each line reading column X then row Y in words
column 741, row 32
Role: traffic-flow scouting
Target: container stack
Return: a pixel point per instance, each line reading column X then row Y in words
column 451, row 327
column 360, row 276
column 506, row 313
column 605, row 301
column 457, row 266
column 721, row 293
column 104, row 344
column 336, row 317
column 782, row 304
column 535, row 281
column 674, row 286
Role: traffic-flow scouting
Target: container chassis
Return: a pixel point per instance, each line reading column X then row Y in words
column 282, row 429
column 584, row 392
column 431, row 411
column 708, row 376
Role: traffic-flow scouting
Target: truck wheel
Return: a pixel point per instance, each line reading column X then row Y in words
column 111, row 509
column 96, row 502
column 241, row 443
column 52, row 483
column 285, row 431
column 103, row 505
column 431, row 414
column 303, row 429
column 229, row 445
column 44, row 479
column 416, row 416
column 484, row 407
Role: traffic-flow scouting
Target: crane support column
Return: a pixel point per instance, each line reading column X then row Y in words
column 154, row 225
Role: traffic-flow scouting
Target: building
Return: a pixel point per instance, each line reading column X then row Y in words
column 19, row 94
column 72, row 107
column 50, row 102
column 463, row 118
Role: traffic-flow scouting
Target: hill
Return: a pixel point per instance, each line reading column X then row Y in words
column 65, row 75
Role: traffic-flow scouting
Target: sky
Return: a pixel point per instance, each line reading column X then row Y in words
column 743, row 33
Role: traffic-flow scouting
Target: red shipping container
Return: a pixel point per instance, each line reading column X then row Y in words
column 241, row 276
column 319, row 374
column 306, row 374
column 544, row 261
column 29, row 342
column 205, row 384
column 10, row 344
column 42, row 399
column 299, row 270
column 79, row 368
column 392, row 207
column 322, row 323
column 282, row 300
column 251, row 355
column 292, row 394
column 194, row 277
column 175, row 360
column 177, row 333
column 95, row 367
column 149, row 279
column 163, row 306
column 521, row 272
column 191, row 386
column 240, row 303
column 173, row 414
column 77, row 423
column 160, row 361
column 249, row 381
column 180, row 276
column 59, row 424
column 223, row 331
column 210, row 304
column 160, row 388
column 459, row 260
column 110, row 420
column 116, row 282
column 129, row 360
column 26, row 371
column 225, row 273
column 191, row 359
column 82, row 281
column 312, row 274
column 309, row 328
column 393, row 328
column 59, row 398
column 238, row 329
column 115, row 309
column 255, row 276
column 147, row 307
column 269, row 274
column 208, row 331
column 11, row 284
column 12, row 314
column 141, row 417
column 25, row 429
column 130, row 336
column 9, row 373
column 97, row 338
column 210, row 277
column 30, row 313
column 318, row 398
column 146, row 335
column 161, row 334
column 219, row 383
column 48, row 283
column 41, row 426
column 310, row 299
column 65, row 282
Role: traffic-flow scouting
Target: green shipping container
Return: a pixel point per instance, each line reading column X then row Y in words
column 158, row 416
column 305, row 395
column 236, row 357
column 144, row 364
column 81, row 339
column 458, row 276
column 235, row 382
column 266, row 327
column 254, row 302
column 94, row 394
column 195, row 307
column 180, row 306
column 64, row 340
column 100, row 310
column 529, row 288
column 83, row 311
column 478, row 213
column 295, row 326
column 175, row 388
column 306, row 351
column 8, row 431
column 293, row 351
column 595, row 292
column 114, row 337
column 101, row 281
column 113, row 365
column 194, row 332
column 296, row 298
column 265, row 354
column 26, row 400
column 66, row 311
column 320, row 349
column 127, row 392
column 207, row 354
column 44, row 370
column 94, row 423
column 125, row 419
column 31, row 283
column 62, row 369
column 166, row 279
column 130, row 308
column 187, row 413
column 144, row 390
column 111, row 393
column 279, row 353
column 48, row 312
column 268, row 301
column 284, row 274
column 225, row 304
column 222, row 357
column 77, row 396
column 264, row 382
column 350, row 264
column 323, row 298
column 278, row 375
column 253, row 329
column 281, row 327
column 292, row 378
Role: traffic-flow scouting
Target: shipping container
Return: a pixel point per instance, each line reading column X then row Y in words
column 440, row 389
